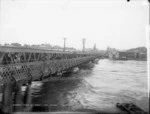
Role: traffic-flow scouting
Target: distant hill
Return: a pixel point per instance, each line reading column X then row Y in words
column 138, row 49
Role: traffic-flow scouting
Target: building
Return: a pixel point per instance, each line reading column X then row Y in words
column 143, row 56
column 125, row 55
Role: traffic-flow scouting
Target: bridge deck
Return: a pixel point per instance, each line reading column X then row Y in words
column 21, row 64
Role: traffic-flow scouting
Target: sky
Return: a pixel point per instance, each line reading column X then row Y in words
column 114, row 23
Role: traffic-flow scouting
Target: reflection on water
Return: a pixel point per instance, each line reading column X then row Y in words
column 98, row 88
column 36, row 88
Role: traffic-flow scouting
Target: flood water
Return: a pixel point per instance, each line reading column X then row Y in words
column 95, row 87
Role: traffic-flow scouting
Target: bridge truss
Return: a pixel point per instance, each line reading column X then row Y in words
column 27, row 64
column 20, row 65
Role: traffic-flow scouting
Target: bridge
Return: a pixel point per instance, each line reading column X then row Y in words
column 20, row 66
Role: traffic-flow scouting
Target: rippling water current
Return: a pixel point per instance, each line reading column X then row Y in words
column 95, row 87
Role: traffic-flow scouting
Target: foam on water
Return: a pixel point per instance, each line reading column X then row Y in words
column 100, row 87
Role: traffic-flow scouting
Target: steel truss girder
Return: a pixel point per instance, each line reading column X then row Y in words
column 13, row 58
column 8, row 49
column 13, row 55
column 24, row 72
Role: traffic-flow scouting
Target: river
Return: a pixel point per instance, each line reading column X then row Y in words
column 95, row 87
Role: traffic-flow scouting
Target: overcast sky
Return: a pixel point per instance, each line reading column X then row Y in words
column 114, row 23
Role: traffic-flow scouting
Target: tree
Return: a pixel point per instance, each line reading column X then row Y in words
column 6, row 44
column 16, row 44
column 26, row 45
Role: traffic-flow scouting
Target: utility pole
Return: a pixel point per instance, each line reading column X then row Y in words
column 64, row 44
column 94, row 48
column 83, row 41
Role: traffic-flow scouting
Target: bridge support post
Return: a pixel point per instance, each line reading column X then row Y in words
column 27, row 98
column 22, row 103
column 7, row 98
column 18, row 104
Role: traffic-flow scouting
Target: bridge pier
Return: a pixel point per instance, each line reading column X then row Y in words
column 7, row 104
column 18, row 99
column 13, row 99
column 27, row 98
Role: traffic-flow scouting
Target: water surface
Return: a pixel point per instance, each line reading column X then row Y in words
column 97, row 87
